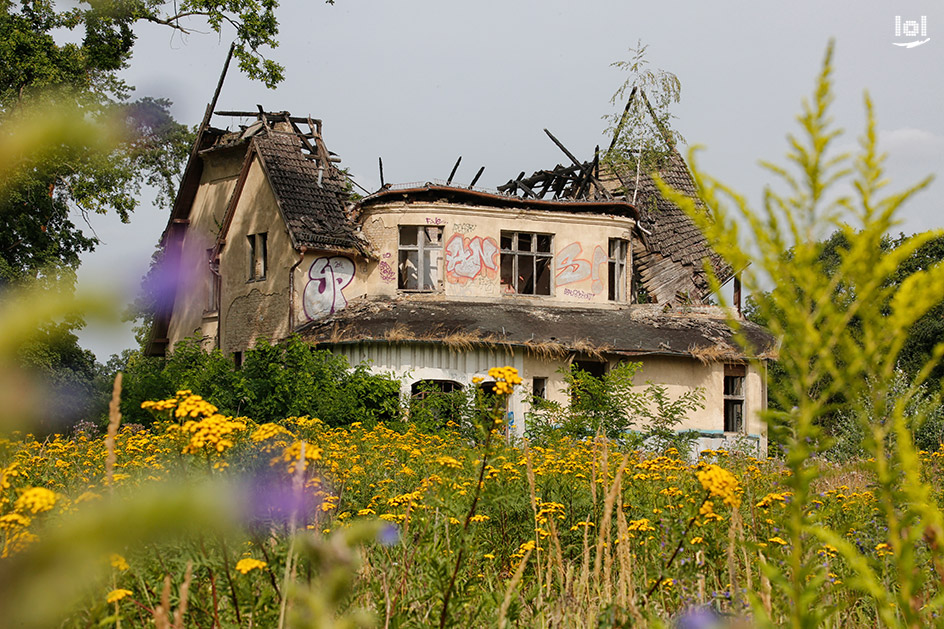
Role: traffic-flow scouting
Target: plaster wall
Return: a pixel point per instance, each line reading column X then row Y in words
column 681, row 374
column 191, row 315
column 470, row 262
column 253, row 308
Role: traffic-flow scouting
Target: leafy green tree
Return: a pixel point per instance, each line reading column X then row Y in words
column 915, row 352
column 642, row 133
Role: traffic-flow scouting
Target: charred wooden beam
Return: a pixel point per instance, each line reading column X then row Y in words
column 453, row 173
column 380, row 161
column 477, row 175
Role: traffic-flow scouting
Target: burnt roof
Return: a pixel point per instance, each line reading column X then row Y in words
column 437, row 193
column 671, row 232
column 310, row 192
column 630, row 331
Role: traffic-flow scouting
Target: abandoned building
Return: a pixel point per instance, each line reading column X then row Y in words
column 438, row 282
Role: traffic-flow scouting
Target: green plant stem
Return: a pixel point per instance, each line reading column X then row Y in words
column 678, row 549
column 468, row 518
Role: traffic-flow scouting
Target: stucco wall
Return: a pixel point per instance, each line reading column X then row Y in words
column 252, row 308
column 682, row 374
column 191, row 317
column 471, row 241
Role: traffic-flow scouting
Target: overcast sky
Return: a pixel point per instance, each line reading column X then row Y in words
column 420, row 82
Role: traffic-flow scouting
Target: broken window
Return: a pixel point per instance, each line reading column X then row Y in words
column 619, row 250
column 257, row 257
column 526, row 263
column 539, row 388
column 420, row 256
column 734, row 398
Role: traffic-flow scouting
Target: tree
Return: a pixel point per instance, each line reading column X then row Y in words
column 35, row 230
column 77, row 85
column 916, row 351
column 642, row 134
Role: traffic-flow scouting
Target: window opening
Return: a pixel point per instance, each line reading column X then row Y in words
column 595, row 368
column 526, row 263
column 420, row 255
column 539, row 388
column 619, row 250
column 257, row 256
column 734, row 398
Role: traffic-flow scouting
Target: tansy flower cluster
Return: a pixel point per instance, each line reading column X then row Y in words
column 720, row 483
column 505, row 379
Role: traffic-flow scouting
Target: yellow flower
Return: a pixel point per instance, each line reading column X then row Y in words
column 697, row 540
column 777, row 540
column 248, row 564
column 36, row 500
column 116, row 595
column 119, row 562
column 720, row 483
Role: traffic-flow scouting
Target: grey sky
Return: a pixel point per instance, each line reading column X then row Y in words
column 420, row 82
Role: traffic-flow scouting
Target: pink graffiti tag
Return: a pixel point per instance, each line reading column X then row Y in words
column 467, row 257
column 386, row 272
column 571, row 269
column 323, row 292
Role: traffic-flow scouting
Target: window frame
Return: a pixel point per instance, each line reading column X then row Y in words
column 424, row 260
column 617, row 264
column 515, row 254
column 733, row 390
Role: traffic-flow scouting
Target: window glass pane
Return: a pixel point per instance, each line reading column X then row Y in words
column 543, row 283
column 506, row 239
column 524, row 242
column 408, row 235
column 409, row 272
column 544, row 243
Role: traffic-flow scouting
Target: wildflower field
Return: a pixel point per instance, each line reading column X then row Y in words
column 203, row 520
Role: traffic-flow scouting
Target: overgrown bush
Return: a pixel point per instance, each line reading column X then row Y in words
column 275, row 381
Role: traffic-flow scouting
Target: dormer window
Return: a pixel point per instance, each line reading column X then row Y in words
column 526, row 263
column 257, row 257
column 420, row 257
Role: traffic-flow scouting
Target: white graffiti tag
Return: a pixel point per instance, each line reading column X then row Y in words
column 466, row 258
column 328, row 276
column 571, row 269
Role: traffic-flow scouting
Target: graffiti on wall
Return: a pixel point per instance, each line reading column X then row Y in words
column 327, row 279
column 571, row 268
column 467, row 258
column 387, row 274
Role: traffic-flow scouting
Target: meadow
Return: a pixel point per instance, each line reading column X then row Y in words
column 205, row 520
